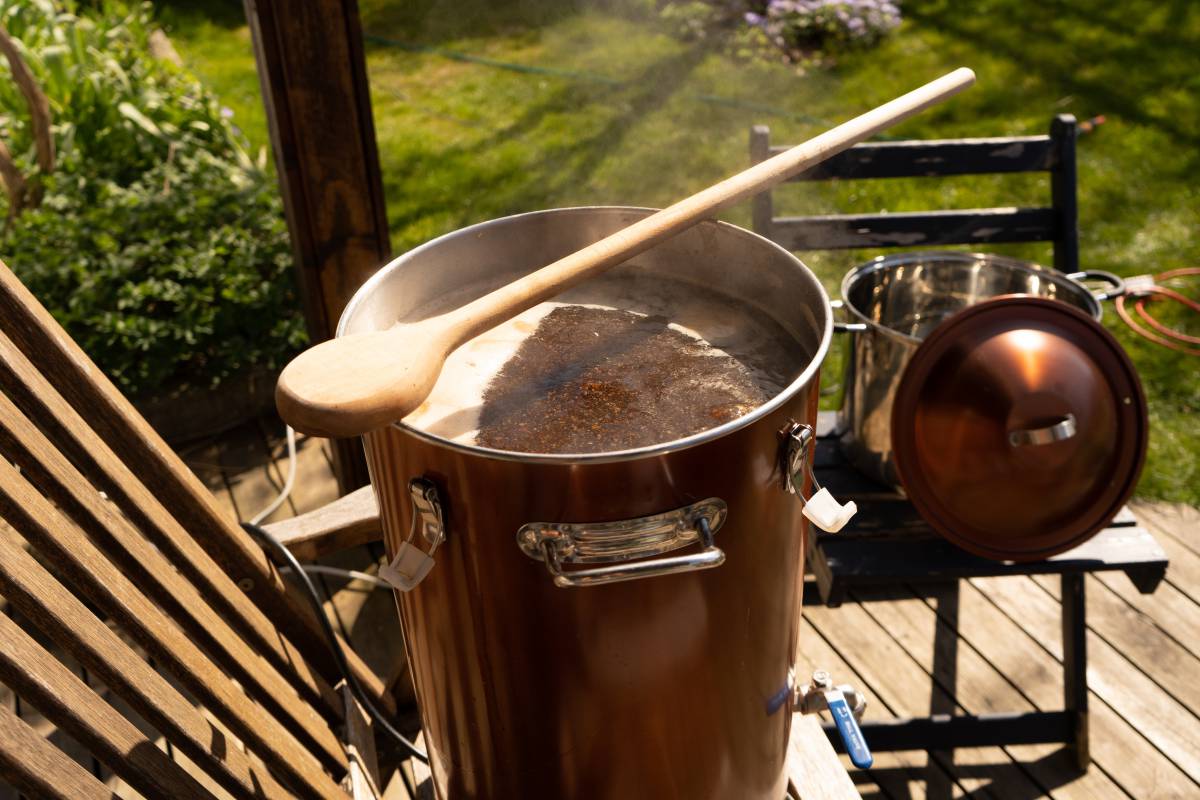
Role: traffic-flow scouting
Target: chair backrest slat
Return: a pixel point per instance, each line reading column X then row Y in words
column 968, row 226
column 927, row 158
column 60, row 615
column 58, row 539
column 40, row 769
column 1057, row 223
column 42, row 680
column 164, row 475
column 145, row 567
column 56, row 421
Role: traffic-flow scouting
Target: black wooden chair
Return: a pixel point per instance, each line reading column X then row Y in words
column 888, row 544
column 1057, row 223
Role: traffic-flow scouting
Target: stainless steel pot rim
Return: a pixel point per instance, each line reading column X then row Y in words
column 806, row 375
column 900, row 259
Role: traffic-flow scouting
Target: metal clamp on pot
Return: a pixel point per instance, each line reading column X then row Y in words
column 845, row 705
column 558, row 544
column 411, row 564
column 821, row 508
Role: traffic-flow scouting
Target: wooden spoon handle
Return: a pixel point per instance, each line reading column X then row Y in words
column 507, row 301
column 354, row 384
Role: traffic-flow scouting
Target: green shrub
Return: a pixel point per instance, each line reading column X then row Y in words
column 159, row 242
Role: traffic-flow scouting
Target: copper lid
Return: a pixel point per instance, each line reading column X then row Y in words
column 1019, row 428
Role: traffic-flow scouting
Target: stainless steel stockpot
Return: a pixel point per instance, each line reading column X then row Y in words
column 664, row 665
column 895, row 301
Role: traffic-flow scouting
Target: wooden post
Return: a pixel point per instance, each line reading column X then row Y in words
column 1062, row 190
column 1075, row 687
column 764, row 209
column 314, row 84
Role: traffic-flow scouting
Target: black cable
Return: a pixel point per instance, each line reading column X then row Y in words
column 280, row 552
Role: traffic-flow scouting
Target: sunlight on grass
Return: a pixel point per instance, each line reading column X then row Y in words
column 651, row 119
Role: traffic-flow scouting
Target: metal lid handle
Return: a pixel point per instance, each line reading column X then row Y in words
column 1063, row 429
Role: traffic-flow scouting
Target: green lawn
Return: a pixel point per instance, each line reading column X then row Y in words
column 608, row 107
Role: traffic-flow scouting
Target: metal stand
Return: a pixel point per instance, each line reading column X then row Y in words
column 888, row 544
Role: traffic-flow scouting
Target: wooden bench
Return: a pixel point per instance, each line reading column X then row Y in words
column 123, row 563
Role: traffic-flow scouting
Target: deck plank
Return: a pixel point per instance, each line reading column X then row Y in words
column 204, row 460
column 1140, row 640
column 900, row 775
column 893, row 673
column 1118, row 750
column 813, row 767
column 1112, row 679
column 933, row 630
column 315, row 482
column 1176, row 531
column 1176, row 520
column 247, row 465
column 1169, row 609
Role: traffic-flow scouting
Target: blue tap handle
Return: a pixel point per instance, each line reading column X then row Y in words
column 847, row 725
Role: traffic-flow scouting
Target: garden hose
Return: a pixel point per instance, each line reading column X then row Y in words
column 1144, row 290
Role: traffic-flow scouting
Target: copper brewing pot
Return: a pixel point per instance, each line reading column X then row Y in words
column 610, row 625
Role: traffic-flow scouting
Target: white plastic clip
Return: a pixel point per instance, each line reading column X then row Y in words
column 408, row 568
column 827, row 513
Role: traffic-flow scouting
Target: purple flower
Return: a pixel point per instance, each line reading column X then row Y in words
column 801, row 25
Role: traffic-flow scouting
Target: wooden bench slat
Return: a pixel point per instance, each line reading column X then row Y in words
column 922, row 158
column 150, row 571
column 98, row 580
column 40, row 769
column 814, row 769
column 60, row 423
column 62, row 617
column 62, row 697
column 920, row 229
column 110, row 414
column 346, row 522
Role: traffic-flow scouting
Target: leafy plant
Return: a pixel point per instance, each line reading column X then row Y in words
column 159, row 242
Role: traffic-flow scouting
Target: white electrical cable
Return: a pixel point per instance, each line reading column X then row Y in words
column 374, row 580
column 287, row 484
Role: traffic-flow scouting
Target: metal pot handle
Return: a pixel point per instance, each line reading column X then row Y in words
column 1115, row 281
column 622, row 541
column 845, row 327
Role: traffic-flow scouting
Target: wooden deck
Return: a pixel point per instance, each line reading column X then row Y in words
column 986, row 645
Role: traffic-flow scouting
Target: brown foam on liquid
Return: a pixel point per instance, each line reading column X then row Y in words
column 593, row 380
column 619, row 362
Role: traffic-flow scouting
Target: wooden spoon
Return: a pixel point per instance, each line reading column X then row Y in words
column 354, row 384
